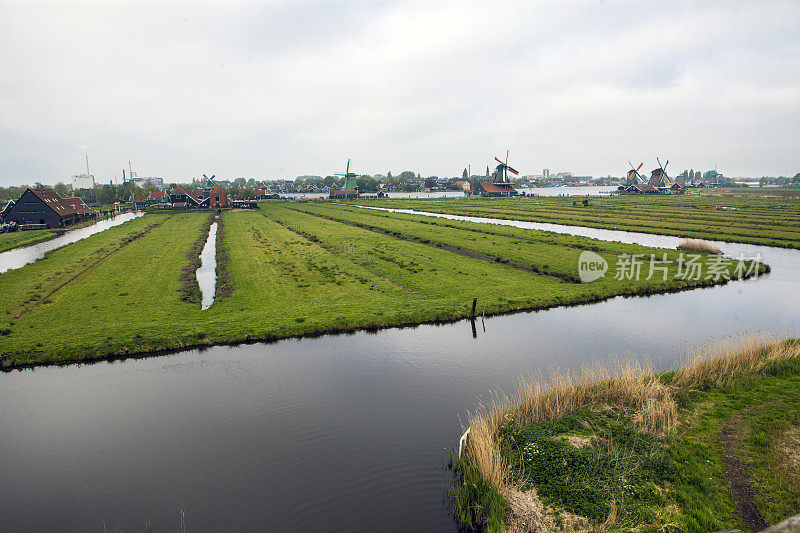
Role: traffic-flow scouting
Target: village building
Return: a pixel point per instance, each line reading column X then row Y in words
column 43, row 207
column 487, row 189
column 5, row 210
column 218, row 197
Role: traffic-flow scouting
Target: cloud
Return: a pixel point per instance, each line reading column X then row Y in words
column 283, row 89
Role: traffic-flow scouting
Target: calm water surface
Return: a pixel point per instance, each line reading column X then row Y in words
column 19, row 257
column 207, row 273
column 335, row 433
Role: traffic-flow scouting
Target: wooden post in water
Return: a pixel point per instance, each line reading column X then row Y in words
column 474, row 303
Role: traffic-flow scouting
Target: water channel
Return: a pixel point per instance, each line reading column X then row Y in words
column 19, row 257
column 345, row 432
column 207, row 273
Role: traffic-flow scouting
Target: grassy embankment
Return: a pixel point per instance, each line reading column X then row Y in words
column 288, row 273
column 714, row 445
column 17, row 239
column 9, row 241
column 747, row 218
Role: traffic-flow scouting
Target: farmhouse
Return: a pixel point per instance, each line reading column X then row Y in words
column 45, row 207
column 495, row 189
column 5, row 210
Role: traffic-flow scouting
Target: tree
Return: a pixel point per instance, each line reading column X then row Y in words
column 406, row 175
column 465, row 174
column 62, row 190
column 389, row 177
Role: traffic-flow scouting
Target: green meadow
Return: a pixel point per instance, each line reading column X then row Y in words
column 293, row 269
column 766, row 216
column 710, row 446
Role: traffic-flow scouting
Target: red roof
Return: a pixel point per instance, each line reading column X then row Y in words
column 78, row 205
column 54, row 201
column 157, row 195
column 644, row 187
column 178, row 190
column 491, row 187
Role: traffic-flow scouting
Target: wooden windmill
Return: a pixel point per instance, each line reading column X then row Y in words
column 502, row 170
column 350, row 188
column 634, row 178
column 500, row 184
column 658, row 176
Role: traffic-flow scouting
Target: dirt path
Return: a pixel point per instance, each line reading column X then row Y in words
column 736, row 472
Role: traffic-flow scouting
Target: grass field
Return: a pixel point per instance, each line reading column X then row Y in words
column 735, row 215
column 291, row 269
column 714, row 445
column 9, row 241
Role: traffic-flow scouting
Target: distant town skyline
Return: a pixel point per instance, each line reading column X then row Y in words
column 279, row 90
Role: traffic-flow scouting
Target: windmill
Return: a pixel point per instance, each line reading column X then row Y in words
column 502, row 170
column 634, row 178
column 350, row 179
column 658, row 177
column 209, row 184
column 350, row 187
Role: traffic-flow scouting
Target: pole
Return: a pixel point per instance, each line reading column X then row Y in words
column 87, row 164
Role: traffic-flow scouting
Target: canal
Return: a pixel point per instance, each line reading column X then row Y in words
column 342, row 432
column 19, row 257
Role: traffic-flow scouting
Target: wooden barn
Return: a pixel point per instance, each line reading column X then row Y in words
column 495, row 189
column 43, row 207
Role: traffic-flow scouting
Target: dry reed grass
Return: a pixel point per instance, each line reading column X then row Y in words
column 623, row 383
column 697, row 245
column 724, row 363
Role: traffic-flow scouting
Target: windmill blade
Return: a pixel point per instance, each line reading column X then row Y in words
column 659, row 164
column 499, row 161
column 348, row 167
column 206, row 177
column 213, row 176
column 512, row 170
column 665, row 166
column 640, row 166
column 631, row 164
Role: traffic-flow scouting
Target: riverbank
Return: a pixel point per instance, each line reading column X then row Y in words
column 295, row 270
column 768, row 218
column 713, row 445
column 17, row 239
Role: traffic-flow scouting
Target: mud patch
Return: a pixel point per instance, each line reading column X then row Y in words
column 735, row 471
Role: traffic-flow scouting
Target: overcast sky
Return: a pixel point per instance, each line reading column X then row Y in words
column 277, row 90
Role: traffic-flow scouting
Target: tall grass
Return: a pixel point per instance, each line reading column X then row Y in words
column 738, row 358
column 697, row 245
column 622, row 383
